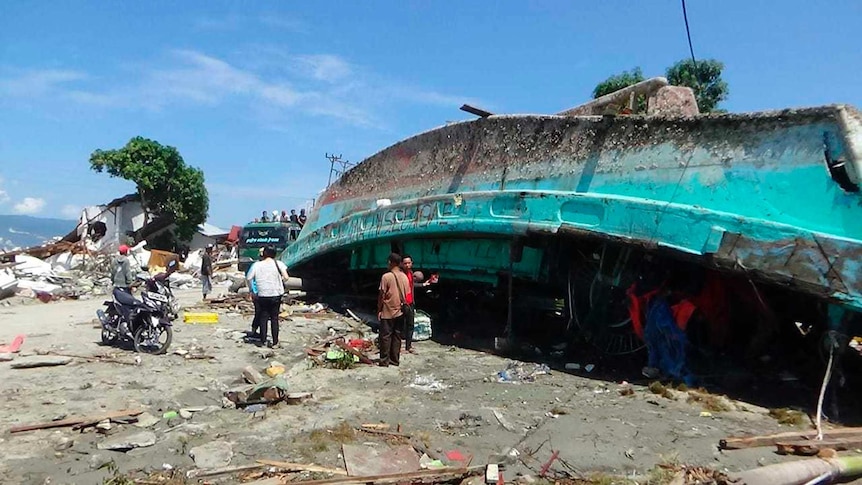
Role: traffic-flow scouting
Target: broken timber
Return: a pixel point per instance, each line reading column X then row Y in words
column 741, row 442
column 424, row 476
column 299, row 467
column 811, row 447
column 77, row 422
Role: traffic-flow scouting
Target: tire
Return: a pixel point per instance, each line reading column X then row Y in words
column 143, row 334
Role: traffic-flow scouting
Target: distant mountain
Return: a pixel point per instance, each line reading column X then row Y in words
column 26, row 231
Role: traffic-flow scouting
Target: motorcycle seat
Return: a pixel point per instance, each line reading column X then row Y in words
column 125, row 298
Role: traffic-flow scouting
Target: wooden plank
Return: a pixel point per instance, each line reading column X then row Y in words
column 75, row 421
column 378, row 426
column 300, row 467
column 222, row 471
column 811, row 447
column 268, row 481
column 385, row 433
column 741, row 442
column 424, row 476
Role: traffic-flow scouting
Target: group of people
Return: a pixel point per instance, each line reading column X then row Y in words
column 266, row 279
column 396, row 307
column 293, row 217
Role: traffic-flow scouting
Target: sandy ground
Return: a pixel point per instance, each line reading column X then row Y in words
column 594, row 426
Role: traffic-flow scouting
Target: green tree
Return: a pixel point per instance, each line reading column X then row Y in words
column 167, row 186
column 704, row 78
column 618, row 81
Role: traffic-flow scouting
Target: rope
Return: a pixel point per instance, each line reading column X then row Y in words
column 823, row 391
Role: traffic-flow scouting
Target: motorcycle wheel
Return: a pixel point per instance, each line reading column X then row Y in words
column 149, row 340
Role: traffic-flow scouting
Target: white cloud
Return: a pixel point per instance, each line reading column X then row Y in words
column 70, row 211
column 37, row 82
column 30, row 205
column 325, row 67
column 273, row 83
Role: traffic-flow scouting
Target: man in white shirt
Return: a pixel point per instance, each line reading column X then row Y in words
column 268, row 277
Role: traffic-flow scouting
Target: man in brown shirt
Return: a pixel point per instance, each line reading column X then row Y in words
column 391, row 297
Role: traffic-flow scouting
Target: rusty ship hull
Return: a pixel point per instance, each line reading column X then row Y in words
column 773, row 195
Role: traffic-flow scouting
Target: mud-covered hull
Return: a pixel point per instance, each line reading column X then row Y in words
column 772, row 194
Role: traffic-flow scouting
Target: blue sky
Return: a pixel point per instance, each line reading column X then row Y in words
column 255, row 93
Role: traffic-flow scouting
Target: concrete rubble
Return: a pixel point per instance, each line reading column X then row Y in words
column 128, row 441
column 77, row 276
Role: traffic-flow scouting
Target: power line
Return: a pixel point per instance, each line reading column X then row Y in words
column 688, row 33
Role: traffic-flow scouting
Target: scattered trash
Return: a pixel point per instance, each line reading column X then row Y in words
column 204, row 318
column 363, row 461
column 14, row 347
column 426, row 463
column 170, row 415
column 705, row 414
column 589, row 367
column 340, row 359
column 422, row 326
column 294, row 398
column 254, row 408
column 573, row 366
column 504, row 422
column 492, row 474
column 517, row 372
column 427, row 384
column 275, row 368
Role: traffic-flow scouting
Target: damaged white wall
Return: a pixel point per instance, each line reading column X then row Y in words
column 127, row 216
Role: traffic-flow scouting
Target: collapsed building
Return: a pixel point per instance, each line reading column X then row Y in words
column 78, row 264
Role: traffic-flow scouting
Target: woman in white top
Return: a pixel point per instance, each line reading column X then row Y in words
column 268, row 277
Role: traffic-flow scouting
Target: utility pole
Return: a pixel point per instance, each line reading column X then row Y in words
column 337, row 167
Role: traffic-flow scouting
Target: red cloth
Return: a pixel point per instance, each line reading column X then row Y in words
column 682, row 312
column 408, row 292
column 636, row 306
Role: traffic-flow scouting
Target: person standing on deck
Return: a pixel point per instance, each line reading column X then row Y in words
column 390, row 311
column 302, row 218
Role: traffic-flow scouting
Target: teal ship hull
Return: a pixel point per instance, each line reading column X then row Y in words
column 774, row 196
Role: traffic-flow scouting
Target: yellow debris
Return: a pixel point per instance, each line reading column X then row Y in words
column 207, row 318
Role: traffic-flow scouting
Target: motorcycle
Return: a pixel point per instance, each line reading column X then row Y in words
column 145, row 322
column 162, row 286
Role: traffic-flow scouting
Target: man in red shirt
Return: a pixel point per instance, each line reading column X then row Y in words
column 409, row 316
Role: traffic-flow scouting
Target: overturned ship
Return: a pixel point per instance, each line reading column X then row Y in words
column 557, row 216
